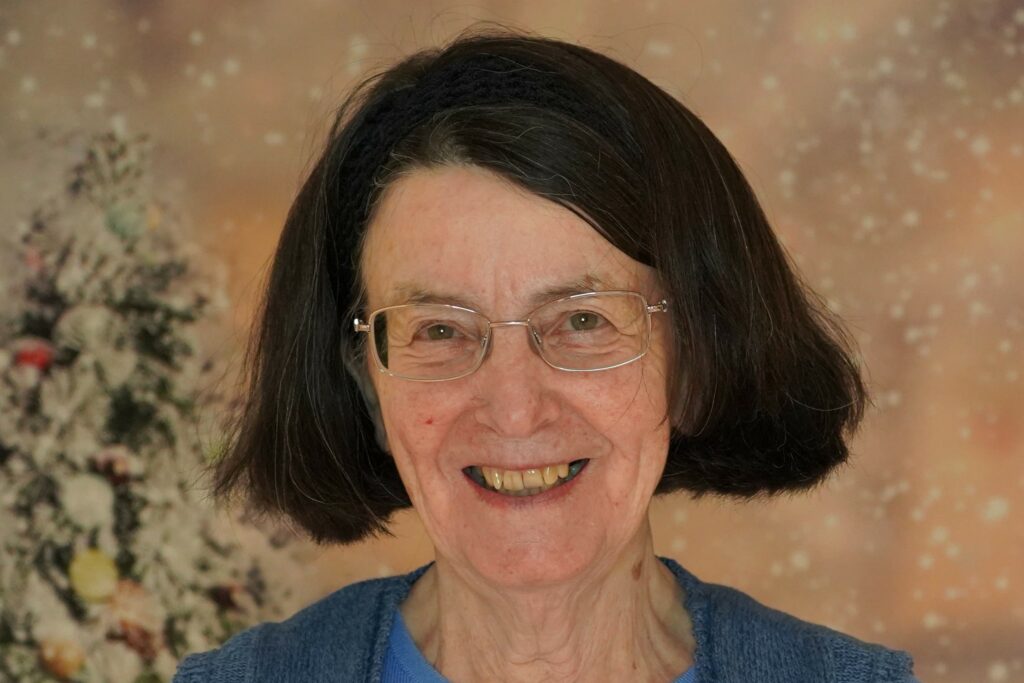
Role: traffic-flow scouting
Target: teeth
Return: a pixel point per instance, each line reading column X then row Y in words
column 525, row 482
column 533, row 479
column 513, row 481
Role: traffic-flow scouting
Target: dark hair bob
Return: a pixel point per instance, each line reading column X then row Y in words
column 764, row 387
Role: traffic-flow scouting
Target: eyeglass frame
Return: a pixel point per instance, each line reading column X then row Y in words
column 359, row 325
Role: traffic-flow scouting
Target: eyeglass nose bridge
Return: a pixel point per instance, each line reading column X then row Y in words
column 538, row 342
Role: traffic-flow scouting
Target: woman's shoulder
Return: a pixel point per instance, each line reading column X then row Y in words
column 744, row 639
column 783, row 640
column 342, row 631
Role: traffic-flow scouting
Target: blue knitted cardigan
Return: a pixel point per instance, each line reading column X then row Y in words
column 344, row 637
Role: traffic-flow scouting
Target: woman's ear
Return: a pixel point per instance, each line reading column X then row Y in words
column 358, row 371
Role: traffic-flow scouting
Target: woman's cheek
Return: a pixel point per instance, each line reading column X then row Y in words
column 417, row 417
column 631, row 393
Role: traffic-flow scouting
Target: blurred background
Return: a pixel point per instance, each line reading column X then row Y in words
column 885, row 139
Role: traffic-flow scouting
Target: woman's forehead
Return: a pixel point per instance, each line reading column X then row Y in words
column 460, row 233
column 409, row 291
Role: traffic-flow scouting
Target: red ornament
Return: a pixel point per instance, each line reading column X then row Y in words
column 139, row 639
column 135, row 613
column 116, row 463
column 35, row 352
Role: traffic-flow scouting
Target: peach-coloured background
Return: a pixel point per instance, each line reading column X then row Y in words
column 886, row 139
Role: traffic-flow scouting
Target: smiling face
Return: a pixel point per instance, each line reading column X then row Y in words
column 465, row 233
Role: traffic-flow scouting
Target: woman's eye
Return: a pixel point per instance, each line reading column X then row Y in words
column 582, row 321
column 437, row 332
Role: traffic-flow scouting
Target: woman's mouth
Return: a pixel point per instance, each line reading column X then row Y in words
column 521, row 483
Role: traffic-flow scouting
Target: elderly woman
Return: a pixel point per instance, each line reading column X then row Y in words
column 523, row 291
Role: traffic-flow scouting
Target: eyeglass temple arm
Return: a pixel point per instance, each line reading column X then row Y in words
column 359, row 326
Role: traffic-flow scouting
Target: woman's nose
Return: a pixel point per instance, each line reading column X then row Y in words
column 514, row 384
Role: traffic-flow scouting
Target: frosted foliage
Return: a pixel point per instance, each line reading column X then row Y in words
column 883, row 137
column 115, row 563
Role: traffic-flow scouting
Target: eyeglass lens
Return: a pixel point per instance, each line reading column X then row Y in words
column 589, row 332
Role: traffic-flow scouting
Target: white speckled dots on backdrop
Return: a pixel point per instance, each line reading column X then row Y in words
column 886, row 143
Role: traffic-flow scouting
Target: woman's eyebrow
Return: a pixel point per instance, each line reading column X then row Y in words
column 414, row 293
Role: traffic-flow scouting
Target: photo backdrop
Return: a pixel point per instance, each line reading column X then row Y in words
column 883, row 137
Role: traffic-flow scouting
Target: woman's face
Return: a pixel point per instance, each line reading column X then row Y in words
column 464, row 232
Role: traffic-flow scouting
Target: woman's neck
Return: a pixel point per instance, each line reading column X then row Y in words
column 626, row 622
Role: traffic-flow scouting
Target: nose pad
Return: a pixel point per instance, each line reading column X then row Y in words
column 485, row 344
column 538, row 343
column 534, row 338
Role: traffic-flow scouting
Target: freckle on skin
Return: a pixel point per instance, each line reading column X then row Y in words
column 429, row 421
